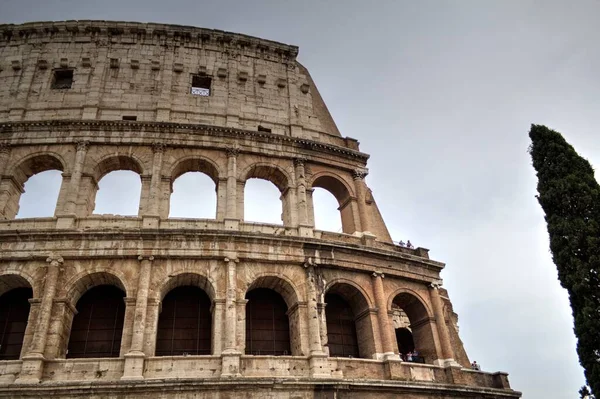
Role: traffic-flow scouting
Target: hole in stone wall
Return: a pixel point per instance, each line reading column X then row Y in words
column 41, row 194
column 327, row 216
column 129, row 118
column 201, row 85
column 193, row 196
column 63, row 79
column 264, row 129
column 119, row 193
column 261, row 202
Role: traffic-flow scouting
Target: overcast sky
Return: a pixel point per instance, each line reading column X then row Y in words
column 441, row 94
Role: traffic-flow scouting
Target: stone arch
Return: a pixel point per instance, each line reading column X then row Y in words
column 111, row 163
column 21, row 172
column 355, row 296
column 36, row 163
column 195, row 164
column 10, row 280
column 280, row 284
column 285, row 288
column 273, row 173
column 280, row 178
column 82, row 282
column 343, row 193
column 186, row 278
column 422, row 325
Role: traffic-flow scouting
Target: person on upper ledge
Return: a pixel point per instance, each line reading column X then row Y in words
column 401, row 243
column 475, row 366
column 409, row 245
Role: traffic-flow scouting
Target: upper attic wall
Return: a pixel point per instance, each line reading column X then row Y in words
column 145, row 70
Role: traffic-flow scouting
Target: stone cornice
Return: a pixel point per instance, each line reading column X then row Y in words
column 134, row 32
column 171, row 127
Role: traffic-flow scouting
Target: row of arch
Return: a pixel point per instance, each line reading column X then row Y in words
column 339, row 186
column 187, row 311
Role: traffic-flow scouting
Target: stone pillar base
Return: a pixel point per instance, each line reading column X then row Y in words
column 150, row 222
column 446, row 363
column 31, row 369
column 367, row 238
column 305, row 231
column 319, row 366
column 232, row 224
column 134, row 366
column 230, row 364
column 65, row 221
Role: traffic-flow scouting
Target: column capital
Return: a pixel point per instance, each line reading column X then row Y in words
column 300, row 161
column 231, row 259
column 360, row 173
column 4, row 147
column 55, row 260
column 378, row 273
column 82, row 145
column 435, row 285
column 232, row 151
column 145, row 257
column 158, row 147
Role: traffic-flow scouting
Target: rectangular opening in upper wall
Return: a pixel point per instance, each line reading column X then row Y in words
column 63, row 79
column 129, row 118
column 201, row 85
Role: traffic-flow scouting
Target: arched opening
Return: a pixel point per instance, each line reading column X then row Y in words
column 341, row 328
column 266, row 195
column 97, row 327
column 14, row 313
column 40, row 195
column 341, row 193
column 413, row 327
column 119, row 193
column 193, row 196
column 326, row 210
column 262, row 202
column 267, row 323
column 184, row 324
column 39, row 179
column 351, row 322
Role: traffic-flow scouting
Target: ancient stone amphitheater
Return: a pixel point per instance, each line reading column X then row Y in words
column 108, row 306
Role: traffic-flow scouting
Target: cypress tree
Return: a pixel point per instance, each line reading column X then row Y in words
column 570, row 197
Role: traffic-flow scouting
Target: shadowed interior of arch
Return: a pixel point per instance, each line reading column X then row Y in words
column 119, row 193
column 41, row 195
column 414, row 330
column 194, row 196
column 14, row 314
column 262, row 202
column 267, row 323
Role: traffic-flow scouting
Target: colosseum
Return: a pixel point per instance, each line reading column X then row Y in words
column 109, row 306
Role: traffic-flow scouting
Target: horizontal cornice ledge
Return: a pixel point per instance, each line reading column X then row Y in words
column 139, row 31
column 172, row 127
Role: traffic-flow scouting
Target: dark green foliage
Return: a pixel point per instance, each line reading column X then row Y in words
column 570, row 197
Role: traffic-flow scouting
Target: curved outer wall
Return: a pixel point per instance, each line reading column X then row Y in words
column 146, row 70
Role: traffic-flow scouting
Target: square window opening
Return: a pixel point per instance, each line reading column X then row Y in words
column 129, row 118
column 201, row 85
column 63, row 79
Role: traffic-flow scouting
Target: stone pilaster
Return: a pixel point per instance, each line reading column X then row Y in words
column 317, row 358
column 67, row 217
column 152, row 211
column 382, row 315
column 231, row 354
column 33, row 361
column 359, row 183
column 134, row 359
column 305, row 228
column 232, row 219
column 446, row 346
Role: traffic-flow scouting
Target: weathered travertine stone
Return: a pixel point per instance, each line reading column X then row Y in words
column 263, row 118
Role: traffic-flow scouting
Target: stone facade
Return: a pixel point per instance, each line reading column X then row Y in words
column 263, row 118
